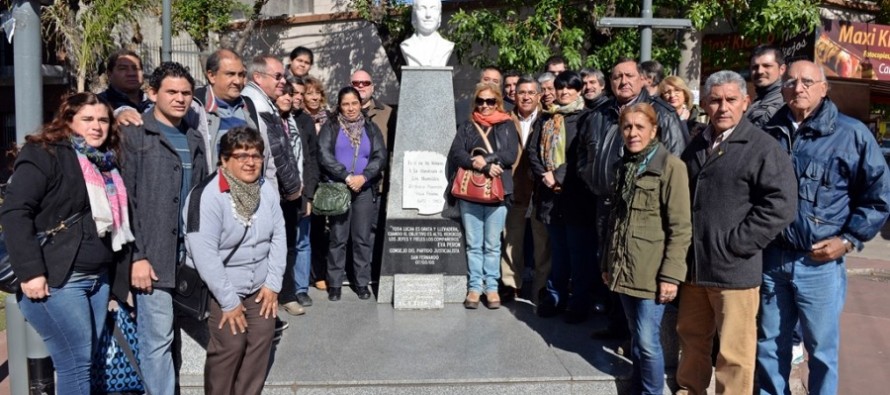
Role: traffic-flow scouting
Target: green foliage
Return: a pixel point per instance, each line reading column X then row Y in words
column 89, row 32
column 523, row 34
column 200, row 17
column 392, row 18
column 757, row 18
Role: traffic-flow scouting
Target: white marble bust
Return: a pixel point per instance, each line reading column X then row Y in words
column 426, row 47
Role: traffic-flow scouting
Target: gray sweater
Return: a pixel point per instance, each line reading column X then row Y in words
column 260, row 260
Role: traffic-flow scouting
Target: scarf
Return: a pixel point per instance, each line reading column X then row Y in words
column 320, row 117
column 488, row 120
column 353, row 127
column 245, row 197
column 106, row 192
column 553, row 149
column 633, row 166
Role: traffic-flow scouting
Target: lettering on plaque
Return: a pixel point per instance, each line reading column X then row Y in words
column 424, row 181
column 418, row 291
column 424, row 246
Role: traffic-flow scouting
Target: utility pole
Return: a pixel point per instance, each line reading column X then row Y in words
column 166, row 50
column 646, row 23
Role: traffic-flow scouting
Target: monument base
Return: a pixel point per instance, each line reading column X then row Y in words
column 455, row 288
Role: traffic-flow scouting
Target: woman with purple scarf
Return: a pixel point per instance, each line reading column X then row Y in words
column 351, row 151
column 66, row 178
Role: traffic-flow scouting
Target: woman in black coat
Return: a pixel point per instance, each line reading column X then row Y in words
column 68, row 173
column 351, row 150
column 562, row 201
column 492, row 131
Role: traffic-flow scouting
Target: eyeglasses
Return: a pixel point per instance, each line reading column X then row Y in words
column 361, row 84
column 490, row 102
column 243, row 158
column 276, row 76
column 807, row 83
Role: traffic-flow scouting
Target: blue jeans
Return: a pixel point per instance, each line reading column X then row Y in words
column 796, row 287
column 573, row 259
column 644, row 322
column 70, row 321
column 154, row 326
column 483, row 225
column 303, row 253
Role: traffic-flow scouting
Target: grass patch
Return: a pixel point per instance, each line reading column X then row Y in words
column 2, row 311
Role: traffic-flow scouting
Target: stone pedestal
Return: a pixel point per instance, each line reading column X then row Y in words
column 418, row 240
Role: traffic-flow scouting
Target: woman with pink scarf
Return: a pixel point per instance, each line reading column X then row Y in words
column 66, row 182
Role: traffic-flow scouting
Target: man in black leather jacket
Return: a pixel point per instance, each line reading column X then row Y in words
column 767, row 66
column 600, row 151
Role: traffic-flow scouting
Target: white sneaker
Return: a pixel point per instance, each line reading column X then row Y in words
column 797, row 354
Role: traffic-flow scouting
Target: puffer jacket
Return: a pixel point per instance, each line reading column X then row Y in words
column 282, row 170
column 843, row 180
column 659, row 230
column 574, row 204
column 769, row 100
column 601, row 141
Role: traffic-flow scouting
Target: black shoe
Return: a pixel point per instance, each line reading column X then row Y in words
column 547, row 310
column 333, row 294
column 304, row 300
column 572, row 317
column 507, row 294
column 280, row 325
column 608, row 333
column 363, row 292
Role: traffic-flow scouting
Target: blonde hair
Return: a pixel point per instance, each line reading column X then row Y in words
column 676, row 83
column 315, row 83
column 487, row 86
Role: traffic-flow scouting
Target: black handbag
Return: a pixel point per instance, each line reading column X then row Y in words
column 333, row 198
column 9, row 283
column 191, row 296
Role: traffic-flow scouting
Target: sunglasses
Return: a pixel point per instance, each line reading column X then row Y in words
column 276, row 76
column 490, row 102
column 361, row 84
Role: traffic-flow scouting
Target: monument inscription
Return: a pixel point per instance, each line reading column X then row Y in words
column 424, row 181
column 424, row 247
column 419, row 291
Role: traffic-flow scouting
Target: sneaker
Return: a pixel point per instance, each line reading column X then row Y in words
column 304, row 300
column 797, row 354
column 294, row 308
column 280, row 326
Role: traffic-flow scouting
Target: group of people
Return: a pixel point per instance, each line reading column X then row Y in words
column 739, row 212
column 219, row 178
column 633, row 199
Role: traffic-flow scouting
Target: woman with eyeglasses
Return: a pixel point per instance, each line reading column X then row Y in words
column 487, row 143
column 351, row 151
column 675, row 92
column 563, row 203
column 235, row 238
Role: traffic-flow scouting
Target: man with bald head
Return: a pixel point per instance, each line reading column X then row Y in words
column 377, row 111
column 844, row 199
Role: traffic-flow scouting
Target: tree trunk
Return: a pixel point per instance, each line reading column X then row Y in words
column 244, row 34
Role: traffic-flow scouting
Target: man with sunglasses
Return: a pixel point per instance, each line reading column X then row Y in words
column 844, row 199
column 266, row 80
column 377, row 111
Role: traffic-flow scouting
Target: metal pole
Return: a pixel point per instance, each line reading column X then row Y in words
column 15, row 346
column 30, row 366
column 26, row 49
column 166, row 50
column 646, row 33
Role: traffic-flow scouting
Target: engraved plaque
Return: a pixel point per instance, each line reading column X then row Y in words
column 419, row 291
column 424, row 182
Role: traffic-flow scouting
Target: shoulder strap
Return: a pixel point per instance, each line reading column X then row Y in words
column 484, row 136
column 193, row 222
column 229, row 257
column 355, row 156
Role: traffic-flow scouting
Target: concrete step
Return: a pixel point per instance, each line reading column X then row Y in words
column 354, row 346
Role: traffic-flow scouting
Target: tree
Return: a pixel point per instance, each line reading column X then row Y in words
column 87, row 32
column 392, row 18
column 521, row 35
column 199, row 18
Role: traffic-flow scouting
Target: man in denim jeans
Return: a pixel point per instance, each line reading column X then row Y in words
column 844, row 199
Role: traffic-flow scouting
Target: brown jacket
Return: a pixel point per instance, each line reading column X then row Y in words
column 523, row 184
column 382, row 116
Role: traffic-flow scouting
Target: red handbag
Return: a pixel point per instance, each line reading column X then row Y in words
column 475, row 186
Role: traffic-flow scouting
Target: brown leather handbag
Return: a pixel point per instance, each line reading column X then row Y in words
column 474, row 186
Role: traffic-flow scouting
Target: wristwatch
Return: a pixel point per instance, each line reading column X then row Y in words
column 848, row 245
